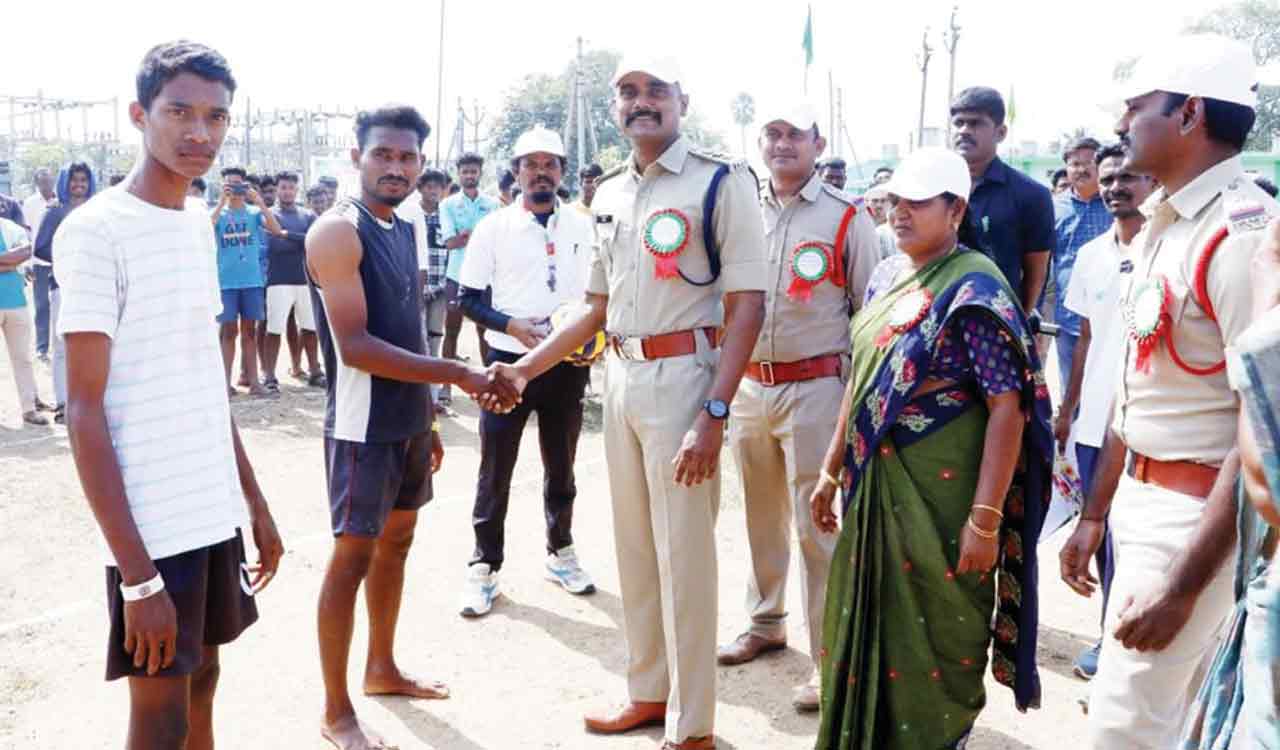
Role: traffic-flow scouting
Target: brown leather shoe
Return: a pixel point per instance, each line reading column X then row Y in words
column 747, row 648
column 693, row 743
column 631, row 716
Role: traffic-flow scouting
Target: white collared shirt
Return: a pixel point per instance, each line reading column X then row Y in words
column 510, row 252
column 1096, row 292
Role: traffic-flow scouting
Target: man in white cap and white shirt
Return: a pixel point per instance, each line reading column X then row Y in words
column 531, row 253
column 679, row 259
column 821, row 250
column 1169, row 459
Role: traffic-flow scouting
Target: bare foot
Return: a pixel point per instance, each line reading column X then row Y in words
column 258, row 390
column 243, row 382
column 398, row 683
column 350, row 733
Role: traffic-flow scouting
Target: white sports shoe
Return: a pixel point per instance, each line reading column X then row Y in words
column 563, row 568
column 479, row 591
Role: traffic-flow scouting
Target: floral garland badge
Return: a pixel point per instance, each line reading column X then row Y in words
column 905, row 314
column 810, row 264
column 1148, row 319
column 665, row 236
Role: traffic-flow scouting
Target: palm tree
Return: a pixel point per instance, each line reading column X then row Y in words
column 744, row 113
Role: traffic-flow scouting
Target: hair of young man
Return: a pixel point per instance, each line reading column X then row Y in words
column 470, row 158
column 200, row 184
column 1076, row 144
column 81, row 167
column 515, row 165
column 167, row 61
column 1227, row 123
column 115, row 179
column 253, row 179
column 315, row 191
column 833, row 163
column 591, row 170
column 228, row 171
column 1108, row 151
column 882, row 170
column 286, row 176
column 265, row 180
column 398, row 116
column 432, row 175
column 981, row 99
column 1058, row 174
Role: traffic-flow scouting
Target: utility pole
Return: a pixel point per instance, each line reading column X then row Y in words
column 248, row 130
column 837, row 131
column 831, row 105
column 926, row 52
column 949, row 40
column 440, row 88
column 473, row 121
column 580, row 99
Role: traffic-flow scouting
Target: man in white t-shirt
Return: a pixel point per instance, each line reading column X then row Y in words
column 532, row 254
column 158, row 455
column 1098, row 282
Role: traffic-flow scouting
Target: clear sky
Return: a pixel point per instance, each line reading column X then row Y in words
column 1058, row 56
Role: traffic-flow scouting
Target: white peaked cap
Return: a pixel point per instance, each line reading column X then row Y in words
column 927, row 173
column 1202, row 65
column 538, row 139
column 662, row 67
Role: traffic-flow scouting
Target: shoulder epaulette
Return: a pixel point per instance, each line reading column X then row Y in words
column 611, row 173
column 839, row 195
column 718, row 157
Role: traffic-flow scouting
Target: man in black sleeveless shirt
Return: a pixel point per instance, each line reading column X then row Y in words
column 380, row 446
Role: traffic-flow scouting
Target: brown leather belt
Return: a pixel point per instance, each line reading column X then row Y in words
column 663, row 345
column 1186, row 477
column 776, row 373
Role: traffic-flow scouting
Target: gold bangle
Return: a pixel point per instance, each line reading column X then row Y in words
column 991, row 508
column 980, row 531
column 827, row 477
column 435, row 425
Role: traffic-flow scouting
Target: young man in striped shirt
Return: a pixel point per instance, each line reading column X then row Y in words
column 159, row 457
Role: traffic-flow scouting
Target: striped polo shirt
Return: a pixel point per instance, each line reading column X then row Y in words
column 147, row 277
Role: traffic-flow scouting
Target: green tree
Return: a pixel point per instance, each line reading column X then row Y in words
column 1258, row 23
column 544, row 99
column 744, row 113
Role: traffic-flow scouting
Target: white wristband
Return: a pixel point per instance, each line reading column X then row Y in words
column 142, row 590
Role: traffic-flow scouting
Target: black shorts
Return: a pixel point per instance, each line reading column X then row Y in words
column 369, row 480
column 210, row 590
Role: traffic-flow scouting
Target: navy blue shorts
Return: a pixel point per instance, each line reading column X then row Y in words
column 369, row 480
column 210, row 590
column 244, row 304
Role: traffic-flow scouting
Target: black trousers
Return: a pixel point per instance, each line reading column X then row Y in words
column 556, row 397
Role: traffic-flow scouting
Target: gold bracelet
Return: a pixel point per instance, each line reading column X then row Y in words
column 435, row 425
column 991, row 508
column 982, row 532
column 827, row 477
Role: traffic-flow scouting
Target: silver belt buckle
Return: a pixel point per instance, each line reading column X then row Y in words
column 766, row 374
column 627, row 348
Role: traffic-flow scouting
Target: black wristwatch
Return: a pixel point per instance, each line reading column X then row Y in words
column 716, row 408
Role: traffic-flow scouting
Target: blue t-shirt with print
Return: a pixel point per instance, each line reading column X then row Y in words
column 241, row 248
column 11, row 294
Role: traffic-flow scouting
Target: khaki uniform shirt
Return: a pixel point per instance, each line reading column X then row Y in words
column 640, row 304
column 1170, row 414
column 795, row 330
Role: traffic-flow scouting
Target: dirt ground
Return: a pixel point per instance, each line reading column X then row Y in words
column 521, row 677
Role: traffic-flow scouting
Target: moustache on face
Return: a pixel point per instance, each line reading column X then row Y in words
column 644, row 113
column 393, row 181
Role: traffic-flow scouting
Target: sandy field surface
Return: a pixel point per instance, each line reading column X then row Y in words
column 521, row 677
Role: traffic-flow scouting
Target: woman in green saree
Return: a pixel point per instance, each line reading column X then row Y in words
column 944, row 449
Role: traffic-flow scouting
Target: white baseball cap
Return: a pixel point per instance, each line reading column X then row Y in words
column 798, row 113
column 662, row 67
column 538, row 139
column 927, row 173
column 1202, row 65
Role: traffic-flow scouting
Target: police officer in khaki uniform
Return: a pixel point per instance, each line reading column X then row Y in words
column 678, row 242
column 821, row 251
column 1169, row 459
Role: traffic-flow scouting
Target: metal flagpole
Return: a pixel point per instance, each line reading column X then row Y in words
column 440, row 87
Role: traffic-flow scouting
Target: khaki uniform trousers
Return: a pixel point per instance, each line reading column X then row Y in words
column 665, row 536
column 779, row 436
column 1139, row 700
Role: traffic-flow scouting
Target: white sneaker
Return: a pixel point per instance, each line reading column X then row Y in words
column 563, row 568
column 479, row 591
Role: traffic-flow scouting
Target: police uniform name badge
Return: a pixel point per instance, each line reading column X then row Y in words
column 810, row 264
column 1244, row 214
column 665, row 236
